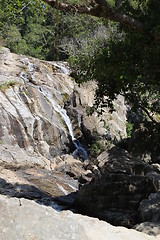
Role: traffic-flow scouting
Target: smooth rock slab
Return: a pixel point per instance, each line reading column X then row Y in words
column 27, row 220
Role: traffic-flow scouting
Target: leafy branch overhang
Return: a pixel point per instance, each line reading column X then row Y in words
column 100, row 8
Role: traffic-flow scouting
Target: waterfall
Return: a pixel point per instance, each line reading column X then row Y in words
column 31, row 69
column 48, row 94
column 62, row 189
column 80, row 151
column 62, row 68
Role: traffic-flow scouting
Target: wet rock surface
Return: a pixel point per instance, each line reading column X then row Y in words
column 31, row 104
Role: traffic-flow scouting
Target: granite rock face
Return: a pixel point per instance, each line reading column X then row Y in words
column 33, row 94
column 39, row 184
column 27, row 220
column 108, row 126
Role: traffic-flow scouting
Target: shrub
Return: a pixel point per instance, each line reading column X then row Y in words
column 129, row 129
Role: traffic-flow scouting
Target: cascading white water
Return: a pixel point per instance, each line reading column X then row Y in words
column 62, row 189
column 48, row 94
column 31, row 69
column 79, row 152
column 62, row 68
column 25, row 61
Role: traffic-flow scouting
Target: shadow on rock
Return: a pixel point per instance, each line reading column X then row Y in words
column 32, row 192
column 115, row 194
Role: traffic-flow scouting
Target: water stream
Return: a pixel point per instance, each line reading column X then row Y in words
column 62, row 189
column 79, row 152
column 49, row 95
column 47, row 92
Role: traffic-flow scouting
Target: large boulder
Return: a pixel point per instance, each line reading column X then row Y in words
column 115, row 193
column 27, row 220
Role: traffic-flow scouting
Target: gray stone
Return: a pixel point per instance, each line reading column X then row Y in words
column 27, row 220
column 149, row 228
column 108, row 126
column 27, row 117
column 150, row 208
column 115, row 193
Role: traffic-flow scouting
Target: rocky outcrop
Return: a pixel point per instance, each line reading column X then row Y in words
column 24, row 219
column 108, row 125
column 117, row 191
column 44, row 186
column 149, row 228
column 35, row 135
column 73, row 167
column 32, row 95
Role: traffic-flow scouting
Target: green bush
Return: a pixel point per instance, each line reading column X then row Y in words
column 97, row 148
column 129, row 129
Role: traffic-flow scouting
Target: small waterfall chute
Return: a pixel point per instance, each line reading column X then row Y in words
column 62, row 68
column 48, row 94
column 79, row 152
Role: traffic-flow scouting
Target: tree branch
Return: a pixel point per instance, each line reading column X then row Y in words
column 100, row 8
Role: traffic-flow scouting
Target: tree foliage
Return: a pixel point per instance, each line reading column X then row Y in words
column 127, row 61
column 115, row 42
column 22, row 26
column 34, row 28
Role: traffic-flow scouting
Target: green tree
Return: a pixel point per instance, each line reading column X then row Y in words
column 23, row 22
column 128, row 61
column 39, row 31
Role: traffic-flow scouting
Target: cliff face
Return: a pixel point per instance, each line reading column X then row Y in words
column 35, row 129
column 32, row 118
column 32, row 95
